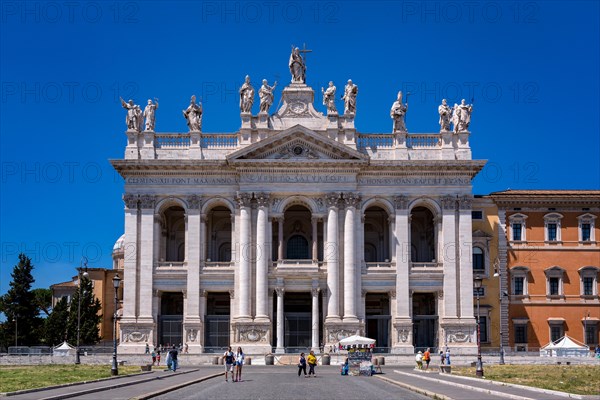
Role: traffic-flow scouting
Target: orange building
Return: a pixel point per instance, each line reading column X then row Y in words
column 550, row 258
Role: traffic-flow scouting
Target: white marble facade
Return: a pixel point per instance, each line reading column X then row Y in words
column 295, row 219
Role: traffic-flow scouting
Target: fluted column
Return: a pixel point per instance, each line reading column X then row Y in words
column 330, row 255
column 130, row 248
column 147, row 203
column 280, row 238
column 262, row 256
column 315, row 318
column 280, row 321
column 243, row 275
column 351, row 200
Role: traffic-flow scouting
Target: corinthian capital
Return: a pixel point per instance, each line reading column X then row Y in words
column 130, row 200
column 243, row 199
column 448, row 202
column 147, row 200
column 465, row 202
column 262, row 199
column 351, row 199
column 332, row 199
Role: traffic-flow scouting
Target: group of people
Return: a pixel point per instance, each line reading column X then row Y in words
column 311, row 360
column 234, row 363
column 424, row 358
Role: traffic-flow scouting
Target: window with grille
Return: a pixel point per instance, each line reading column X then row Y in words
column 520, row 333
column 586, row 232
column 478, row 260
column 556, row 332
column 516, row 229
column 518, row 285
column 554, row 285
column 297, row 248
column 552, row 232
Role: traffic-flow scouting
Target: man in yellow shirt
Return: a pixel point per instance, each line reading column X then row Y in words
column 312, row 363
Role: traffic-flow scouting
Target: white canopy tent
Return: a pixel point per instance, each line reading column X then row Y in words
column 564, row 347
column 64, row 349
column 357, row 340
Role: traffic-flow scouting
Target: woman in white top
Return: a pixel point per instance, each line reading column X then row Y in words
column 239, row 363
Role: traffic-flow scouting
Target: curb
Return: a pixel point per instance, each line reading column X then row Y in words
column 101, row 389
column 468, row 387
column 532, row 388
column 176, row 387
column 415, row 389
column 33, row 390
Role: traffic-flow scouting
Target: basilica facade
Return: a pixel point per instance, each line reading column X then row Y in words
column 297, row 230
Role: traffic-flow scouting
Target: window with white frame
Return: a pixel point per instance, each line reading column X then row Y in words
column 557, row 328
column 586, row 228
column 589, row 281
column 517, row 227
column 554, row 281
column 552, row 227
column 519, row 281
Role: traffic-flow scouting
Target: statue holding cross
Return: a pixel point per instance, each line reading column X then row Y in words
column 297, row 65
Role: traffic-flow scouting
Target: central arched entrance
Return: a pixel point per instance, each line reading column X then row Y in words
column 425, row 321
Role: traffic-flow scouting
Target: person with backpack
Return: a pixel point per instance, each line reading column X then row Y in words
column 228, row 356
column 427, row 358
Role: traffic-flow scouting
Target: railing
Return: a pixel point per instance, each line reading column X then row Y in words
column 291, row 262
column 218, row 264
column 379, row 265
column 423, row 141
column 217, row 141
column 375, row 141
column 171, row 264
column 172, row 141
column 425, row 265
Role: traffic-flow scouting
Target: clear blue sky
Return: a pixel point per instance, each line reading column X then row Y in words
column 531, row 67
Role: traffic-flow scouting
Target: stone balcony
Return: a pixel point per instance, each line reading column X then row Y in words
column 150, row 145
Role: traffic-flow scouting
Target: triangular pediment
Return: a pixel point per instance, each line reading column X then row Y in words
column 481, row 234
column 297, row 144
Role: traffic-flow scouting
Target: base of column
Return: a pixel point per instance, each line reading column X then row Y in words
column 279, row 350
column 333, row 319
column 252, row 337
column 134, row 334
column 459, row 335
column 262, row 319
column 336, row 331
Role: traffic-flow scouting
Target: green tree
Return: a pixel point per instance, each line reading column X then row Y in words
column 20, row 308
column 90, row 317
column 56, row 323
column 43, row 300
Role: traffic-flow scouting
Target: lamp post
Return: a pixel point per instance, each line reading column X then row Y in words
column 114, row 370
column 81, row 274
column 479, row 370
column 497, row 274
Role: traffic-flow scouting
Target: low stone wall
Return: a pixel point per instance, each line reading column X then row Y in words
column 287, row 359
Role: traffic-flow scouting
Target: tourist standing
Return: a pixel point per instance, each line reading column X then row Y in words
column 427, row 358
column 147, row 349
column 228, row 356
column 302, row 364
column 173, row 355
column 312, row 363
column 239, row 363
column 158, row 356
column 153, row 355
column 448, row 356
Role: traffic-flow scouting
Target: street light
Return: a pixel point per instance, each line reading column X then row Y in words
column 479, row 370
column 81, row 274
column 498, row 274
column 114, row 370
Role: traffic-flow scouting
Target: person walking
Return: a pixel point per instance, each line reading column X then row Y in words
column 158, row 357
column 147, row 349
column 419, row 360
column 239, row 363
column 302, row 364
column 228, row 356
column 448, row 356
column 153, row 355
column 312, row 363
column 173, row 357
column 427, row 358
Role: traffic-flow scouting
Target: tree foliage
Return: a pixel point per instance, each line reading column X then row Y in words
column 88, row 312
column 20, row 307
column 56, row 323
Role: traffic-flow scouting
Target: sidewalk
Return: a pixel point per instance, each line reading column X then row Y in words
column 455, row 387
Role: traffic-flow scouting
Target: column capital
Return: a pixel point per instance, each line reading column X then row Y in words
column 262, row 199
column 392, row 294
column 401, row 202
column 203, row 293
column 147, row 201
column 351, row 199
column 448, row 202
column 280, row 291
column 244, row 199
column 315, row 291
column 130, row 200
column 231, row 294
column 194, row 202
column 465, row 202
column 331, row 199
column 203, row 218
